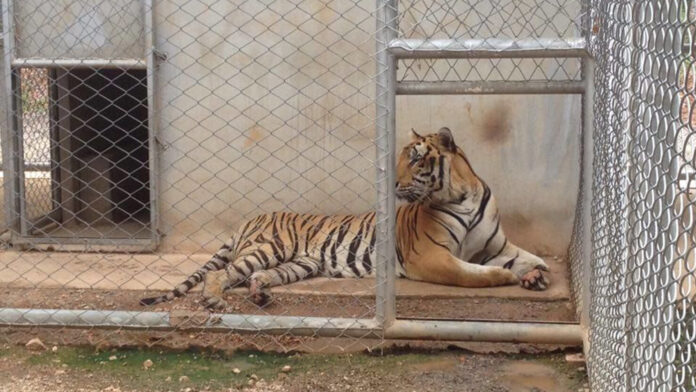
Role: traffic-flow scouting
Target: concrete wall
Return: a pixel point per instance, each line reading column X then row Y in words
column 525, row 147
column 268, row 105
column 228, row 103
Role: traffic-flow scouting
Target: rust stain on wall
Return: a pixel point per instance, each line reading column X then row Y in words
column 495, row 123
column 467, row 107
column 253, row 135
column 517, row 220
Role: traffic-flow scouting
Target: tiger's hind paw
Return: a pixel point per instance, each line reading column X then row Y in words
column 535, row 280
column 214, row 303
column 259, row 292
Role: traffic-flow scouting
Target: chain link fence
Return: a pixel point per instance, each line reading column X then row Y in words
column 642, row 315
column 141, row 134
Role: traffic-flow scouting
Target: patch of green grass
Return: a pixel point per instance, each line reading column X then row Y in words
column 204, row 368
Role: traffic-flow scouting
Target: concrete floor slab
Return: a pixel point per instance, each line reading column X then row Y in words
column 163, row 271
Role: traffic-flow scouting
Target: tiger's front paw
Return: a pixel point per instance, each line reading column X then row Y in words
column 535, row 279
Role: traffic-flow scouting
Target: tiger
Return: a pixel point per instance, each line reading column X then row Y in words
column 448, row 232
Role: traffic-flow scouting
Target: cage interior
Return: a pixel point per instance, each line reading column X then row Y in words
column 270, row 106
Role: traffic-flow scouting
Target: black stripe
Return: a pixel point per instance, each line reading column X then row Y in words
column 450, row 213
column 248, row 264
column 314, row 231
column 262, row 255
column 246, row 226
column 342, row 231
column 482, row 207
column 288, row 278
column 326, row 243
column 276, row 253
column 306, row 267
column 353, row 248
column 443, row 224
column 246, row 245
column 435, row 242
column 238, row 269
column 489, row 258
column 295, row 242
column 399, row 255
column 441, row 173
column 488, row 241
column 479, row 257
column 278, row 243
column 510, row 263
column 367, row 262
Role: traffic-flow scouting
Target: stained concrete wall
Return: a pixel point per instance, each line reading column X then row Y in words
column 525, row 147
column 270, row 105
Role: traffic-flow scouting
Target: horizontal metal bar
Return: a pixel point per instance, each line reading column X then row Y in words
column 486, row 331
column 79, row 244
column 491, row 87
column 488, row 48
column 79, row 63
column 199, row 321
column 17, row 317
column 36, row 167
column 490, row 331
column 41, row 167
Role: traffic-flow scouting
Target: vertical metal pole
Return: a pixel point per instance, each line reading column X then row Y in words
column 149, row 24
column 586, row 171
column 584, row 203
column 11, row 157
column 385, row 140
column 633, row 192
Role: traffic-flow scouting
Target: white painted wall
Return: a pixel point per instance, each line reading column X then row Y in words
column 267, row 105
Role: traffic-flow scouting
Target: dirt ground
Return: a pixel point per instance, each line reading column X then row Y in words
column 85, row 369
column 299, row 305
column 283, row 304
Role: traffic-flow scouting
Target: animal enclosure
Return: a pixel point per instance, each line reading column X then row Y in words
column 138, row 135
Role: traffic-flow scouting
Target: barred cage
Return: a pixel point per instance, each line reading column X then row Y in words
column 138, row 135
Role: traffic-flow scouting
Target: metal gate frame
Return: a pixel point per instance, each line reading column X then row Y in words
column 15, row 195
column 385, row 324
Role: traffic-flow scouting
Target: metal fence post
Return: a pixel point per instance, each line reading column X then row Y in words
column 584, row 274
column 385, row 138
column 152, row 119
column 11, row 160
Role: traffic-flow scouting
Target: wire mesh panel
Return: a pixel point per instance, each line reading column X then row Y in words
column 142, row 138
column 537, row 22
column 642, row 314
column 473, row 66
column 235, row 109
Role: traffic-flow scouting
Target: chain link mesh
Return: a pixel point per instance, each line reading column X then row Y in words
column 642, row 313
column 132, row 161
column 263, row 106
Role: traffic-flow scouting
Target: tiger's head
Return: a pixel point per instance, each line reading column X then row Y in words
column 432, row 168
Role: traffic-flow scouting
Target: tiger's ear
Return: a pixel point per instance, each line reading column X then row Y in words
column 415, row 136
column 446, row 139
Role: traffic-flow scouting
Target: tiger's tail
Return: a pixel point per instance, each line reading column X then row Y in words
column 219, row 260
